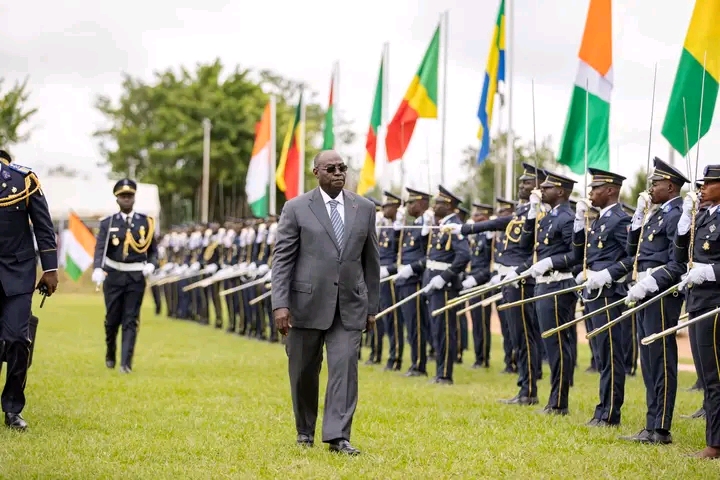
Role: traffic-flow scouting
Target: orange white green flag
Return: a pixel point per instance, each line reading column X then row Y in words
column 589, row 111
column 79, row 247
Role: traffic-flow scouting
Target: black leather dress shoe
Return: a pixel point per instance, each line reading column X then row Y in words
column 343, row 446
column 305, row 440
column 700, row 413
column 415, row 373
column 605, row 423
column 15, row 421
column 442, row 381
column 661, row 438
column 518, row 400
column 110, row 363
column 593, row 422
column 125, row 369
column 554, row 411
column 643, row 436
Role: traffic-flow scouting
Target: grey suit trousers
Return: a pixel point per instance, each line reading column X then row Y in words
column 304, row 348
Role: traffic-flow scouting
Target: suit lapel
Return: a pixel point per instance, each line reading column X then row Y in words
column 317, row 206
column 350, row 213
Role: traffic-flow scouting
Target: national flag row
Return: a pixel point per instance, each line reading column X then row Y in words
column 585, row 140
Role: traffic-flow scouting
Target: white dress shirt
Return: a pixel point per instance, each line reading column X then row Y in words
column 340, row 207
column 125, row 216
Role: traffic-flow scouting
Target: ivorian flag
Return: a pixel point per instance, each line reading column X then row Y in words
column 258, row 174
column 420, row 101
column 590, row 102
column 329, row 129
column 702, row 46
column 79, row 247
column 367, row 174
column 287, row 175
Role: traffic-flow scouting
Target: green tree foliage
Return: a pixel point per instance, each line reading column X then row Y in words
column 155, row 129
column 14, row 114
column 479, row 186
column 636, row 186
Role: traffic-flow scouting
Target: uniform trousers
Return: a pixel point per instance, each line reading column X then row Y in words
column 443, row 328
column 394, row 327
column 414, row 314
column 524, row 329
column 705, row 338
column 481, row 331
column 551, row 313
column 124, row 292
column 15, row 347
column 610, row 360
column 659, row 360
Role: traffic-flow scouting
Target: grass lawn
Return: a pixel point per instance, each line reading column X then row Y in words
column 205, row 404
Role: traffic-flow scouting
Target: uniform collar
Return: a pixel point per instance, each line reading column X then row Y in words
column 606, row 209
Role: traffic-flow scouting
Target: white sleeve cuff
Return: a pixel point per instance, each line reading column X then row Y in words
column 683, row 225
column 578, row 225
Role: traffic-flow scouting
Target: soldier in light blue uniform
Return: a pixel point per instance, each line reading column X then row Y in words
column 388, row 245
column 448, row 255
column 410, row 268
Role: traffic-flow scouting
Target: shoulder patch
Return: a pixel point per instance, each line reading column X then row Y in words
column 20, row 169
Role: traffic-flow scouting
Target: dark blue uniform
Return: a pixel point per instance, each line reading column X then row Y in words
column 521, row 319
column 606, row 244
column 448, row 255
column 480, row 260
column 124, row 245
column 554, row 241
column 388, row 247
column 659, row 360
column 21, row 202
column 701, row 298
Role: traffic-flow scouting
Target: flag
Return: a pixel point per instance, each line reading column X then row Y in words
column 702, row 47
column 287, row 176
column 257, row 180
column 79, row 247
column 367, row 174
column 420, row 101
column 494, row 74
column 329, row 129
column 590, row 99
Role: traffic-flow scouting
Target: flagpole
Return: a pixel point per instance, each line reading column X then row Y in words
column 273, row 155
column 509, row 56
column 387, row 180
column 445, row 36
column 336, row 91
column 301, row 187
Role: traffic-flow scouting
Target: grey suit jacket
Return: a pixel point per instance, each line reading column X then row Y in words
column 311, row 273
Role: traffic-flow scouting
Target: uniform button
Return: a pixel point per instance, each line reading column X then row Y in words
column 335, row 283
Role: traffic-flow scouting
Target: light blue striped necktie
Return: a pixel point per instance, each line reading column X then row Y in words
column 337, row 222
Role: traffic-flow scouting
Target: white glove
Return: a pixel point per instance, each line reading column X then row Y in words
column 580, row 278
column 511, row 275
column 263, row 269
column 489, row 235
column 643, row 202
column 453, row 228
column 495, row 279
column 541, row 267
column 379, row 217
column 98, row 276
column 689, row 203
column 195, row 267
column 384, row 272
column 583, row 205
column 597, row 280
column 641, row 289
column 428, row 220
column 436, row 283
column 535, row 201
column 268, row 276
column 212, row 268
column 399, row 218
column 469, row 282
column 698, row 275
column 167, row 267
column 405, row 271
column 148, row 269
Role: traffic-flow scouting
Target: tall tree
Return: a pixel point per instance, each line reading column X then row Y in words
column 156, row 129
column 479, row 184
column 14, row 113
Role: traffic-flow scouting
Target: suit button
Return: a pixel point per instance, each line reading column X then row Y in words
column 335, row 283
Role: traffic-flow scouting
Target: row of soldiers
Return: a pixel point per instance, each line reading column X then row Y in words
column 547, row 255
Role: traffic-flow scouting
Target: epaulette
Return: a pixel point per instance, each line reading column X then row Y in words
column 20, row 169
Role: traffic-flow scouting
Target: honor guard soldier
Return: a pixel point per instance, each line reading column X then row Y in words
column 461, row 320
column 125, row 253
column 523, row 324
column 369, row 339
column 607, row 268
column 503, row 208
column 551, row 267
column 479, row 274
column 701, row 250
column 388, row 244
column 410, row 268
column 632, row 342
column 448, row 255
column 650, row 243
column 21, row 202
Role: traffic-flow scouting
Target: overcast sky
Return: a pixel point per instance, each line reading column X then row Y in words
column 76, row 49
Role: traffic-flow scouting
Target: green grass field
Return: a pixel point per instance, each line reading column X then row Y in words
column 205, row 404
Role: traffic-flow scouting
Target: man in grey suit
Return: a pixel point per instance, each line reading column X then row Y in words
column 325, row 290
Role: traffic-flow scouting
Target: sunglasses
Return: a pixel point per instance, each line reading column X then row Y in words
column 342, row 168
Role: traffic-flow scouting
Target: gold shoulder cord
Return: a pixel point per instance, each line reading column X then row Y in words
column 16, row 198
column 144, row 243
column 209, row 251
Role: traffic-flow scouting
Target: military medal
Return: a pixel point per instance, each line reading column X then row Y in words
column 516, row 230
column 13, row 189
column 602, row 228
column 706, row 245
column 712, row 228
column 600, row 244
column 651, row 236
column 545, row 241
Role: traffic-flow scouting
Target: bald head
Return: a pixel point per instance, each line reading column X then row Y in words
column 326, row 156
column 329, row 169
